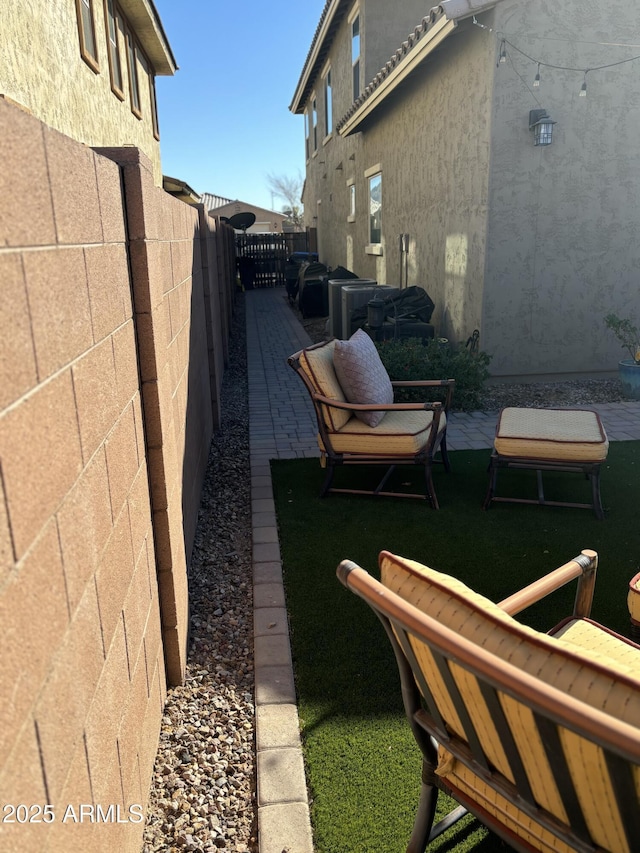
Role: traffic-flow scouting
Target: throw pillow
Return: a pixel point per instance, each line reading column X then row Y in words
column 362, row 375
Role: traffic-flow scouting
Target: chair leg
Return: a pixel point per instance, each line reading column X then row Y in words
column 491, row 488
column 327, row 480
column 444, row 454
column 431, row 492
column 424, row 819
column 595, row 494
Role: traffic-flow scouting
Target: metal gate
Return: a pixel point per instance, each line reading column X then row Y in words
column 262, row 257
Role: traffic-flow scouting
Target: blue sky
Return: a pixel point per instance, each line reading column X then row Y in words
column 224, row 116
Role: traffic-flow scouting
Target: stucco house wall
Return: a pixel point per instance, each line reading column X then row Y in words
column 42, row 70
column 562, row 244
column 532, row 245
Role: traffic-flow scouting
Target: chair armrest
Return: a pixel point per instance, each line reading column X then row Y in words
column 378, row 407
column 449, row 384
column 582, row 567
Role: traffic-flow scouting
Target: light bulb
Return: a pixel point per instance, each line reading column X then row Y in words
column 536, row 80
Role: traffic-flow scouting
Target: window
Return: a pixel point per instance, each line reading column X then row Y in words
column 132, row 67
column 144, row 62
column 314, row 122
column 306, row 134
column 87, row 33
column 115, row 66
column 328, row 104
column 351, row 189
column 375, row 209
column 355, row 55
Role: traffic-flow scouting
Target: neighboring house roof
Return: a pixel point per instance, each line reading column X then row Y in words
column 212, row 201
column 144, row 18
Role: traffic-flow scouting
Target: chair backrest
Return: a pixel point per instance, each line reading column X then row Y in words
column 316, row 362
column 549, row 727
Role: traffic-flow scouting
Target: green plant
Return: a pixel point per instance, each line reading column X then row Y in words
column 626, row 333
column 411, row 359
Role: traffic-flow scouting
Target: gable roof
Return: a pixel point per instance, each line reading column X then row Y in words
column 432, row 30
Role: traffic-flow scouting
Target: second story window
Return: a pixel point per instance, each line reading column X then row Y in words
column 355, row 55
column 132, row 66
column 314, row 123
column 113, row 43
column 306, row 134
column 375, row 209
column 328, row 104
column 87, row 33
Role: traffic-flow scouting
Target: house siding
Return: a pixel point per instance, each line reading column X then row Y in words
column 42, row 70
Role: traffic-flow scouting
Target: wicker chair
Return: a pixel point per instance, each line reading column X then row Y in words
column 408, row 434
column 537, row 735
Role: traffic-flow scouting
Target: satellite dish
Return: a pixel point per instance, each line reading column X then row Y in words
column 242, row 221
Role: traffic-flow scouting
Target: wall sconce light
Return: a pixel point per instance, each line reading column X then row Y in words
column 542, row 126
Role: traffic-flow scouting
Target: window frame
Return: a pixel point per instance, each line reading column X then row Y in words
column 374, row 246
column 307, row 137
column 351, row 190
column 356, row 84
column 91, row 59
column 328, row 102
column 132, row 70
column 314, row 121
column 147, row 67
column 112, row 15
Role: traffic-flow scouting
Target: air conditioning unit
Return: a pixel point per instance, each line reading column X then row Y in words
column 335, row 302
column 356, row 295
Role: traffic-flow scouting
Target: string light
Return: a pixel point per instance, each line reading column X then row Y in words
column 536, row 81
column 583, row 88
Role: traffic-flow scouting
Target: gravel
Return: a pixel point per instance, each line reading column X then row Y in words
column 203, row 787
column 203, row 793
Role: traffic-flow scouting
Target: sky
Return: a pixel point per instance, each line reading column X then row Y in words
column 224, row 116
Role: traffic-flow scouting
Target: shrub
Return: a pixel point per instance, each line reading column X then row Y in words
column 412, row 359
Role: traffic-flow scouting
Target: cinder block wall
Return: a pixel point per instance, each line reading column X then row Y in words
column 106, row 416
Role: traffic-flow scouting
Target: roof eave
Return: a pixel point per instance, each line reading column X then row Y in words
column 146, row 23
column 297, row 104
column 433, row 38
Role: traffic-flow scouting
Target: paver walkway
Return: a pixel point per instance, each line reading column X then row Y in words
column 282, row 426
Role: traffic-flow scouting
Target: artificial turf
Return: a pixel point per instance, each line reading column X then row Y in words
column 363, row 766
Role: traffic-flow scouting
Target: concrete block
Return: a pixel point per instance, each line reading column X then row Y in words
column 285, row 827
column 140, row 512
column 122, row 459
column 59, row 304
column 71, row 686
column 272, row 651
column 96, row 392
column 41, row 457
column 267, row 573
column 113, row 576
column 274, row 685
column 26, row 213
column 109, row 290
column 281, row 777
column 18, row 363
column 74, row 188
column 85, row 523
column 125, row 360
column 111, row 200
column 270, row 620
column 268, row 595
column 277, row 726
column 34, row 618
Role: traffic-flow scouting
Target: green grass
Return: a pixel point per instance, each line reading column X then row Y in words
column 363, row 766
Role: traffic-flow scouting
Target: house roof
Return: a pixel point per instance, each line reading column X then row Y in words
column 145, row 20
column 212, row 201
column 180, row 189
column 432, row 30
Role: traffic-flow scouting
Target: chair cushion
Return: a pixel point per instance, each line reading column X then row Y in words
column 553, row 434
column 399, row 434
column 317, row 362
column 362, row 375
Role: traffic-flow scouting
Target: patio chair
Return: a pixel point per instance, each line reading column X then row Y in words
column 537, row 735
column 358, row 422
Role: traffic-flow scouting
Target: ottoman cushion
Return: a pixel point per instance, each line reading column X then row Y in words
column 555, row 434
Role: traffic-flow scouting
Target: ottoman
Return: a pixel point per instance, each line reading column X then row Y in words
column 571, row 440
